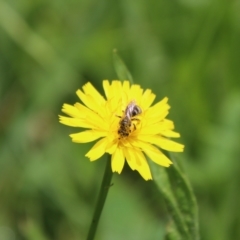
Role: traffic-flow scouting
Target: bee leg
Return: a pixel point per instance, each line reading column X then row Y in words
column 135, row 119
column 119, row 116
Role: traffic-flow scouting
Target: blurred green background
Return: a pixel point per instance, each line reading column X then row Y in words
column 188, row 50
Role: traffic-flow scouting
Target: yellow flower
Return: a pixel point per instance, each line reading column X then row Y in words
column 126, row 124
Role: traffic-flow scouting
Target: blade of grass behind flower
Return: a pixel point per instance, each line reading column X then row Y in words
column 120, row 68
column 172, row 233
column 185, row 198
column 163, row 183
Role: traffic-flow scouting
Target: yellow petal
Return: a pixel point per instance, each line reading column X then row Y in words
column 84, row 111
column 106, row 87
column 91, row 102
column 152, row 152
column 165, row 143
column 157, row 112
column 95, row 120
column 126, row 87
column 89, row 89
column 135, row 93
column 169, row 145
column 97, row 150
column 114, row 96
column 142, row 165
column 147, row 99
column 87, row 136
column 116, row 89
column 112, row 145
column 157, row 118
column 155, row 128
column 156, row 155
column 71, row 111
column 74, row 122
column 170, row 133
column 151, row 129
column 117, row 160
column 130, row 158
column 137, row 161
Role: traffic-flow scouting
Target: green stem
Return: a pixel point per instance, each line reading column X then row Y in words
column 106, row 183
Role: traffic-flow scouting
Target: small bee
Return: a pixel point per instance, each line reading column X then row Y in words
column 126, row 121
column 132, row 110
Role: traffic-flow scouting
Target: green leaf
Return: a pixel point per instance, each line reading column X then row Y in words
column 180, row 200
column 160, row 175
column 185, row 198
column 121, row 68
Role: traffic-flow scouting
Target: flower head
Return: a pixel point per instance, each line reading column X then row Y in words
column 125, row 123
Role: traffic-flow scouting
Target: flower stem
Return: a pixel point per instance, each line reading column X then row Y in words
column 106, row 183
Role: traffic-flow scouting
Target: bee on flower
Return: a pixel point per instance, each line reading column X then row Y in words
column 127, row 126
column 126, row 123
